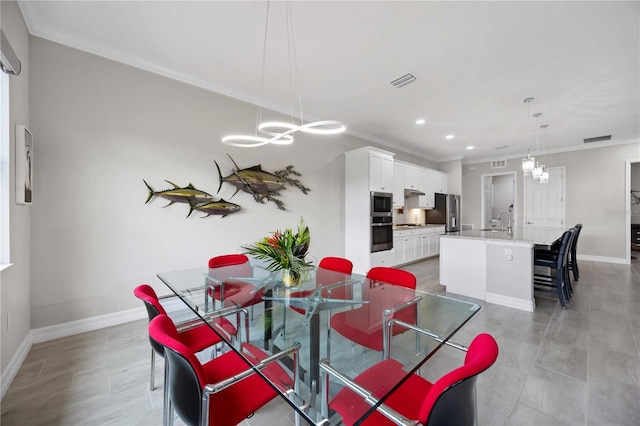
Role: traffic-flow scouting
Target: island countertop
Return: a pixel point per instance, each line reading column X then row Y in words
column 542, row 236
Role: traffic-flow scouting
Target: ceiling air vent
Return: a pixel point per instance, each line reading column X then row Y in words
column 404, row 80
column 499, row 164
column 598, row 139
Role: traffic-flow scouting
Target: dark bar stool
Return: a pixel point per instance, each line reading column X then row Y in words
column 557, row 281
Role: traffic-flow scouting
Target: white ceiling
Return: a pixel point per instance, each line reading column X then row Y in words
column 475, row 62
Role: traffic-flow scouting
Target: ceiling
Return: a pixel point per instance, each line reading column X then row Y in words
column 475, row 61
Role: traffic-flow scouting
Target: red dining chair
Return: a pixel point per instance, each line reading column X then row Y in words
column 195, row 334
column 195, row 391
column 364, row 325
column 451, row 400
column 233, row 292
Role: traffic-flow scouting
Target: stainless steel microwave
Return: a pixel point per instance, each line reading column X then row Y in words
column 381, row 203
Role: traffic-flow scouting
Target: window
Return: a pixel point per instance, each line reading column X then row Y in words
column 5, row 184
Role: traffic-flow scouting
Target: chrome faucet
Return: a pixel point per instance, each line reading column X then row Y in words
column 499, row 217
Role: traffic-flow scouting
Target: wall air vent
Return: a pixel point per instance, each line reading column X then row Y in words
column 598, row 139
column 499, row 164
column 404, row 80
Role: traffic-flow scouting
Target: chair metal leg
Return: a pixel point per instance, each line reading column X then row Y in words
column 167, row 408
column 560, row 289
column 152, row 382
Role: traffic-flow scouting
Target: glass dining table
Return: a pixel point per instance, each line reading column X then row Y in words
column 302, row 315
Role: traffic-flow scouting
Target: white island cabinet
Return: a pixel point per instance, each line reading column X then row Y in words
column 495, row 266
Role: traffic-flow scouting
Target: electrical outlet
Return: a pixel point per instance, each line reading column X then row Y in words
column 508, row 254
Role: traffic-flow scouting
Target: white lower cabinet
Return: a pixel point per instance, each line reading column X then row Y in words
column 415, row 244
column 383, row 258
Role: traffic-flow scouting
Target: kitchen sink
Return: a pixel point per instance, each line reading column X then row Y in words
column 493, row 230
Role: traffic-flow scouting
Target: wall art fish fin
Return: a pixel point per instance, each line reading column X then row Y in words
column 284, row 175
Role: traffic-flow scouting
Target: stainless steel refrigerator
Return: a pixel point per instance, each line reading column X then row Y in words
column 445, row 212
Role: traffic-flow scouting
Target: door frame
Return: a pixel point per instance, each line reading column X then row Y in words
column 564, row 196
column 627, row 203
column 514, row 213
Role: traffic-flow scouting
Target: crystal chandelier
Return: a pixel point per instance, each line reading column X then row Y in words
column 281, row 133
column 529, row 162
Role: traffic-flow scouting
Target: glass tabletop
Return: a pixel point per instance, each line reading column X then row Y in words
column 326, row 315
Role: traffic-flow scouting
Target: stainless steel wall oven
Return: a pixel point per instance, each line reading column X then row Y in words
column 381, row 221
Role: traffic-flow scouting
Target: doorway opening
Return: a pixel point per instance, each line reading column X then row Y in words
column 633, row 215
column 498, row 193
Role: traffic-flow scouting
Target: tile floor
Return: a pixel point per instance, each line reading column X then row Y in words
column 575, row 367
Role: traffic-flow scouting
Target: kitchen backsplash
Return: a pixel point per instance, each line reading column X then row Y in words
column 408, row 216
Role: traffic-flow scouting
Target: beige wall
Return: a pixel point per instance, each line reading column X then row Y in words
column 14, row 281
column 595, row 195
column 102, row 127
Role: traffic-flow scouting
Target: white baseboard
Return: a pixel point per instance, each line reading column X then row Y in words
column 14, row 365
column 510, row 302
column 603, row 259
column 57, row 331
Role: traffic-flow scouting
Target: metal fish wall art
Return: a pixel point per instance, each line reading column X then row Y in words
column 197, row 200
column 188, row 194
column 261, row 184
column 220, row 207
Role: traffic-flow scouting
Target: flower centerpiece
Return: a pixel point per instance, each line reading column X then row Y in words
column 284, row 251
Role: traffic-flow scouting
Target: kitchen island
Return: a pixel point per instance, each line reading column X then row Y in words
column 493, row 265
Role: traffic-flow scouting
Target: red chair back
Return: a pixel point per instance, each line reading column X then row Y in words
column 222, row 267
column 455, row 392
column 148, row 295
column 393, row 276
column 337, row 264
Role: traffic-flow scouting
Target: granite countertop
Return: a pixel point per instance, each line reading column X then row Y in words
column 421, row 226
column 543, row 236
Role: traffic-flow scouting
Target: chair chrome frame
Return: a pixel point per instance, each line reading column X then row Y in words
column 368, row 397
column 219, row 386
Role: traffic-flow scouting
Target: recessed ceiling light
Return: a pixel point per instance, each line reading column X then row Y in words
column 470, row 147
column 449, row 137
column 420, row 121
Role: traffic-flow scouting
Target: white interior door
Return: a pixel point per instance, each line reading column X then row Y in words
column 487, row 203
column 545, row 202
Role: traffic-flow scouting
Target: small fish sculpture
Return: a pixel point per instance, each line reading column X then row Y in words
column 220, row 207
column 260, row 184
column 188, row 194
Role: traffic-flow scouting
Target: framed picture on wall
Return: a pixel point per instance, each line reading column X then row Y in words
column 24, row 165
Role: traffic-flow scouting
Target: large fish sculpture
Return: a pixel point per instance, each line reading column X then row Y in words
column 260, row 184
column 188, row 194
column 251, row 180
column 220, row 207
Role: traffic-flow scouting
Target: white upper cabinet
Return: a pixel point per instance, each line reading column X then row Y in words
column 398, row 184
column 380, row 172
column 440, row 183
column 409, row 176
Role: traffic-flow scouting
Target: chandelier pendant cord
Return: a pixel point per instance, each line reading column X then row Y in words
column 264, row 65
column 281, row 133
column 295, row 63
